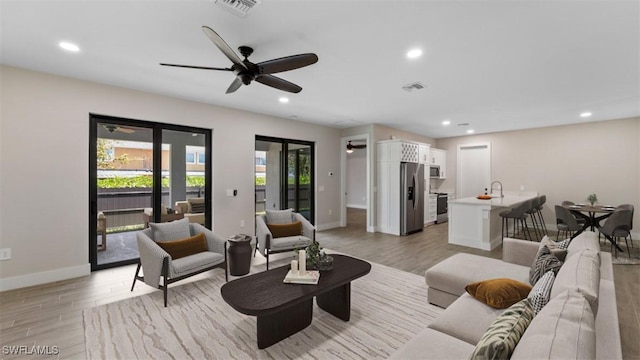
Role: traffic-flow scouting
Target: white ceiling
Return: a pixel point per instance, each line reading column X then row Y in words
column 497, row 65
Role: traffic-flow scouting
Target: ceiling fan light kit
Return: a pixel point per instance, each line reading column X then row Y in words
column 246, row 71
column 350, row 147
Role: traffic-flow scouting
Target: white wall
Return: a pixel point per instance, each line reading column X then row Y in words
column 563, row 162
column 44, row 140
column 357, row 179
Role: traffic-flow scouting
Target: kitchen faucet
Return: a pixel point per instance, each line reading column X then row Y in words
column 501, row 195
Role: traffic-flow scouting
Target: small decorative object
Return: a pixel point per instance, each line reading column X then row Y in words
column 325, row 263
column 302, row 263
column 315, row 258
column 592, row 198
column 294, row 267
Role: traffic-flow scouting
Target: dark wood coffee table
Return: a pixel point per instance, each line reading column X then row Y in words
column 284, row 309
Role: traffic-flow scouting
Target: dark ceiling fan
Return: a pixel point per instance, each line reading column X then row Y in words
column 350, row 147
column 112, row 128
column 246, row 71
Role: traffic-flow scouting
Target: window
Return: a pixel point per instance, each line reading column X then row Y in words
column 191, row 158
column 201, row 158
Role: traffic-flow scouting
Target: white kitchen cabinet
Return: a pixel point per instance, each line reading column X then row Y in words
column 430, row 208
column 439, row 158
column 423, row 152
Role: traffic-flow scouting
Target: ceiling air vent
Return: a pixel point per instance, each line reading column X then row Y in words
column 240, row 8
column 413, row 86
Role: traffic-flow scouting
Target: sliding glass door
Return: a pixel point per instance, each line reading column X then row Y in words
column 284, row 175
column 143, row 172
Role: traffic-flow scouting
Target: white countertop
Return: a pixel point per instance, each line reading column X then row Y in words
column 506, row 201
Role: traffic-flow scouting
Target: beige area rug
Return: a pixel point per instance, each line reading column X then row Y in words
column 388, row 307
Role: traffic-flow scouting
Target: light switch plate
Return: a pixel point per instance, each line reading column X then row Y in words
column 5, row 254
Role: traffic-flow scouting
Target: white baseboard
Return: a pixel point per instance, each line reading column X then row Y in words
column 328, row 226
column 44, row 277
column 357, row 206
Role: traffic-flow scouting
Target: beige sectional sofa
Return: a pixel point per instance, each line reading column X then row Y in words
column 580, row 321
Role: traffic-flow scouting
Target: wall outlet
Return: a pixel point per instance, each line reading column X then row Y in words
column 5, row 254
column 241, row 223
column 321, row 188
column 330, row 211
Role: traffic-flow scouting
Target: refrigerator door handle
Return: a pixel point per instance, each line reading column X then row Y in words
column 416, row 188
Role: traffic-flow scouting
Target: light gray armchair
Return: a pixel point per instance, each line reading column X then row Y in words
column 268, row 244
column 156, row 263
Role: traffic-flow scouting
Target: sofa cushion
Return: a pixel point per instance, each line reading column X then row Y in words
column 280, row 216
column 195, row 262
column 505, row 332
column 541, row 292
column 197, row 205
column 169, row 231
column 564, row 329
column 582, row 271
column 499, row 293
column 289, row 242
column 444, row 347
column 585, row 241
column 545, row 261
column 284, row 230
column 466, row 319
column 454, row 273
column 185, row 247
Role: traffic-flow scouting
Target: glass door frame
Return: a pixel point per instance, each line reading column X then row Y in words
column 284, row 176
column 157, row 128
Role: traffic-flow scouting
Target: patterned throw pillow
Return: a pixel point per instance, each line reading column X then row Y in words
column 498, row 293
column 545, row 261
column 559, row 248
column 502, row 336
column 539, row 295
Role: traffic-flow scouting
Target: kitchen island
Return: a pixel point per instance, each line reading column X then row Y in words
column 477, row 223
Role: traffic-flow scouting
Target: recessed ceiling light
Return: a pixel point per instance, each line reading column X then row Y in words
column 284, row 100
column 585, row 114
column 69, row 46
column 414, row 53
column 446, row 122
column 470, row 131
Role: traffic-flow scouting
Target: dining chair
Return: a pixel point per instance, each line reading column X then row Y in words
column 617, row 226
column 565, row 222
column 580, row 220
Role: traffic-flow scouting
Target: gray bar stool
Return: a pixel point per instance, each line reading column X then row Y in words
column 519, row 215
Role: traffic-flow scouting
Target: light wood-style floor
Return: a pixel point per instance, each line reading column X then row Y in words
column 51, row 314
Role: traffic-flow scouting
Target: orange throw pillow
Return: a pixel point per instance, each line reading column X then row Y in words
column 498, row 293
column 284, row 230
column 185, row 247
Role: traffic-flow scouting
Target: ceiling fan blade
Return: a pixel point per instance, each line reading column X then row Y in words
column 224, row 47
column 278, row 83
column 286, row 63
column 196, row 67
column 235, row 85
column 125, row 130
column 359, row 146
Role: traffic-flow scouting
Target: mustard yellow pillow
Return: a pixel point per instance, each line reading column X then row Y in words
column 498, row 293
column 185, row 247
column 284, row 230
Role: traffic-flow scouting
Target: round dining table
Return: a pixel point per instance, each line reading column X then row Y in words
column 590, row 214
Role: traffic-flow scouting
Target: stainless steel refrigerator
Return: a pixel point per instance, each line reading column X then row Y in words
column 411, row 198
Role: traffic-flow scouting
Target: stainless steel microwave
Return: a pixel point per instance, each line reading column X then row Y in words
column 434, row 171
